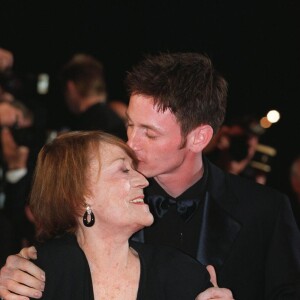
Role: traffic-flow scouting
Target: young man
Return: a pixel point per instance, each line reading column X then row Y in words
column 245, row 230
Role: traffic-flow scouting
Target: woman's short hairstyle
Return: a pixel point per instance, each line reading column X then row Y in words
column 60, row 184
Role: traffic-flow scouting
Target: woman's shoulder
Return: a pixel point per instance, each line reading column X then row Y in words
column 168, row 258
column 66, row 240
column 59, row 249
column 160, row 251
column 67, row 270
column 169, row 273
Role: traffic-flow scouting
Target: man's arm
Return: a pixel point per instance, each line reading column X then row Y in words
column 21, row 279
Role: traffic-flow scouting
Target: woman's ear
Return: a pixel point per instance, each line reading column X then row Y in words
column 199, row 138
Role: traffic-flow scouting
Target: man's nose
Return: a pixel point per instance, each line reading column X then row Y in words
column 132, row 139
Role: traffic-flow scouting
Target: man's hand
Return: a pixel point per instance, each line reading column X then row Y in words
column 215, row 292
column 19, row 277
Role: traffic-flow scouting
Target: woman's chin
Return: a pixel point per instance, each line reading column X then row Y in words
column 149, row 221
column 146, row 222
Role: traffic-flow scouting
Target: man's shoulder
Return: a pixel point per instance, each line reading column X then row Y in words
column 244, row 195
column 242, row 184
column 252, row 188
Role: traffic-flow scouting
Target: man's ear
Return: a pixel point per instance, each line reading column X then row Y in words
column 199, row 138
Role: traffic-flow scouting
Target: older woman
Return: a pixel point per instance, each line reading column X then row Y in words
column 87, row 199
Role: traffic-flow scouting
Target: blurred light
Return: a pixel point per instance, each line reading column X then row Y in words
column 265, row 123
column 43, row 83
column 273, row 116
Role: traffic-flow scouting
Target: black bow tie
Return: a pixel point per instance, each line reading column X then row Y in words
column 159, row 205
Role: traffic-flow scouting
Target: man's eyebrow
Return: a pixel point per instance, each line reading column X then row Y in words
column 151, row 127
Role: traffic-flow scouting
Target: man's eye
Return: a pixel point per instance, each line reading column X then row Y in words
column 150, row 136
column 126, row 170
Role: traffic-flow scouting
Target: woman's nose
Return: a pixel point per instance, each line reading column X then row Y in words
column 141, row 180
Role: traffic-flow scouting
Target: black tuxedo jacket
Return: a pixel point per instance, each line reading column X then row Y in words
column 249, row 234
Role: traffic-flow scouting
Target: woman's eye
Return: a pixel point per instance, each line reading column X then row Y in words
column 125, row 170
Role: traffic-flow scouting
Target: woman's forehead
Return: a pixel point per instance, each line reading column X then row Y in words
column 110, row 153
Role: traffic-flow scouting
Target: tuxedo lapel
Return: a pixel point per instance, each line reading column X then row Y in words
column 219, row 229
column 218, row 232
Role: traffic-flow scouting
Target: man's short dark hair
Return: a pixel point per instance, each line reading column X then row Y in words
column 185, row 83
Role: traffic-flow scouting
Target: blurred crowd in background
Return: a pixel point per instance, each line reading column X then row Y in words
column 29, row 118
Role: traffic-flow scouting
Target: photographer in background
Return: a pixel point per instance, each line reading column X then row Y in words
column 18, row 148
column 16, row 164
column 237, row 149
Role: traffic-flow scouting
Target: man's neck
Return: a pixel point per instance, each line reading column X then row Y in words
column 182, row 179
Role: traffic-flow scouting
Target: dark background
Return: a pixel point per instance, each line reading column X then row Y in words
column 255, row 44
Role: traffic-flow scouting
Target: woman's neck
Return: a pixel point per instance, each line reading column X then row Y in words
column 111, row 249
column 115, row 267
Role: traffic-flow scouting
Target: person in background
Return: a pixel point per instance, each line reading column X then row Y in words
column 295, row 188
column 84, row 87
column 237, row 149
column 245, row 230
column 16, row 168
column 20, row 139
column 6, row 59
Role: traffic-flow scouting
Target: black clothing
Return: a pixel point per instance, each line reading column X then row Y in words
column 99, row 117
column 295, row 203
column 245, row 230
column 16, row 197
column 165, row 273
column 184, row 233
column 7, row 240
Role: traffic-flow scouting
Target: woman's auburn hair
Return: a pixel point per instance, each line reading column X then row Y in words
column 60, row 183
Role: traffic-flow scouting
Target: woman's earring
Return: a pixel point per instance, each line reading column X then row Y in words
column 88, row 217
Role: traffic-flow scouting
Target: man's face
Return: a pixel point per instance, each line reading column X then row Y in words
column 155, row 137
